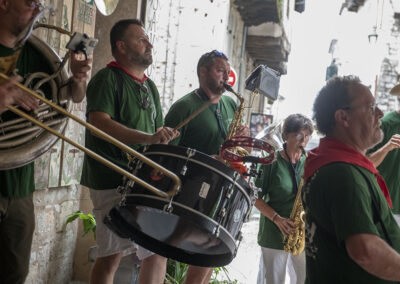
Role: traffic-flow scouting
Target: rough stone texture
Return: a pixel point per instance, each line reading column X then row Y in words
column 53, row 242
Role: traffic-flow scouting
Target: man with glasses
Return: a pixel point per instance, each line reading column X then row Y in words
column 351, row 234
column 17, row 219
column 386, row 157
column 123, row 102
column 207, row 131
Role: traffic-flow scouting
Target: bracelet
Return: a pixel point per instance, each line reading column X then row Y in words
column 273, row 217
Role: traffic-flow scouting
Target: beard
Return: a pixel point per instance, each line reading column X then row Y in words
column 144, row 60
column 215, row 86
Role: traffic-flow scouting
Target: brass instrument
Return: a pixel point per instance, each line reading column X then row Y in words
column 295, row 242
column 103, row 135
column 238, row 113
column 21, row 142
column 237, row 117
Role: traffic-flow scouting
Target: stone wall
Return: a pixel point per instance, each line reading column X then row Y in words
column 53, row 243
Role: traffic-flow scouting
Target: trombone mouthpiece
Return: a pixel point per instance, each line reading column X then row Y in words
column 228, row 87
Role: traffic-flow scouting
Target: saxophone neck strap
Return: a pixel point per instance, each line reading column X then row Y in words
column 216, row 109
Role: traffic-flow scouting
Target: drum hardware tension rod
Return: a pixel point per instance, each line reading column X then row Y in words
column 106, row 137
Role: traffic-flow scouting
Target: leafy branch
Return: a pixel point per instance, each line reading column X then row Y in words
column 88, row 221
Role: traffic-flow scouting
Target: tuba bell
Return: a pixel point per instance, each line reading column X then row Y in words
column 21, row 141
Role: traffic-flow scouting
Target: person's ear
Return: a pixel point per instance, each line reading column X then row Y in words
column 202, row 71
column 120, row 46
column 342, row 117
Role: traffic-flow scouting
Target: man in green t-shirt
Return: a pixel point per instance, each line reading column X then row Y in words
column 125, row 104
column 386, row 157
column 207, row 131
column 351, row 234
column 17, row 219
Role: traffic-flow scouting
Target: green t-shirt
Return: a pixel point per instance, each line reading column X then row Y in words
column 101, row 96
column 278, row 192
column 389, row 168
column 202, row 132
column 19, row 182
column 338, row 204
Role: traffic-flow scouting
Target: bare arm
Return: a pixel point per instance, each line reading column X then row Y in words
column 79, row 70
column 379, row 155
column 374, row 255
column 127, row 135
column 285, row 225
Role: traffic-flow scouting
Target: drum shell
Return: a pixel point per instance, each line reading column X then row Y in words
column 213, row 202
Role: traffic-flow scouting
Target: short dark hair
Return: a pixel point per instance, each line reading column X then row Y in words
column 333, row 96
column 118, row 31
column 295, row 123
column 207, row 59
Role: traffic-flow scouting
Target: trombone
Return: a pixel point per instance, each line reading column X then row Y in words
column 176, row 181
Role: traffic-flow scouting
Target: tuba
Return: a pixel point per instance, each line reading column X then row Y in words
column 21, row 141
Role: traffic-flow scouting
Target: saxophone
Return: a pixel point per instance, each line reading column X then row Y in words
column 237, row 117
column 236, row 120
column 295, row 242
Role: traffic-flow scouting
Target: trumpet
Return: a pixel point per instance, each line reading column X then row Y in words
column 175, row 179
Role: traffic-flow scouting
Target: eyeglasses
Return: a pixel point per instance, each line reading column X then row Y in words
column 371, row 107
column 32, row 4
column 300, row 137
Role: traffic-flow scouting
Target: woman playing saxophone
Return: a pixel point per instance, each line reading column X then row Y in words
column 279, row 183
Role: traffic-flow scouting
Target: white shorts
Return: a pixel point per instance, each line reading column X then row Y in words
column 109, row 243
column 397, row 218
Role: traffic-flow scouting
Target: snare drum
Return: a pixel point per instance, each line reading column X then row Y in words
column 201, row 224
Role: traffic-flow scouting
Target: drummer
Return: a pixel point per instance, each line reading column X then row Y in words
column 123, row 102
column 208, row 130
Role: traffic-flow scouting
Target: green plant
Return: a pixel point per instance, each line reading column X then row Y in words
column 216, row 273
column 88, row 221
column 176, row 272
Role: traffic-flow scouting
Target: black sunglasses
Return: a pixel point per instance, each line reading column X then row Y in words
column 143, row 100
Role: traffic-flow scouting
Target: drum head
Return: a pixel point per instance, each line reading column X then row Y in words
column 194, row 228
column 173, row 236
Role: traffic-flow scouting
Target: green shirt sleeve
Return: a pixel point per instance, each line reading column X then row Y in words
column 102, row 86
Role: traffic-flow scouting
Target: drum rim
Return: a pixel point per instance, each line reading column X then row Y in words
column 158, row 149
column 189, row 209
column 115, row 216
column 235, row 182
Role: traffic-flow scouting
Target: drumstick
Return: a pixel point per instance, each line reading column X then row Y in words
column 190, row 117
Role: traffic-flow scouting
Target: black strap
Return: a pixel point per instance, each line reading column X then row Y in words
column 217, row 112
column 118, row 92
column 293, row 170
column 376, row 207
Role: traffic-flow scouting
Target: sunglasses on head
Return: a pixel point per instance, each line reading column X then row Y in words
column 33, row 4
